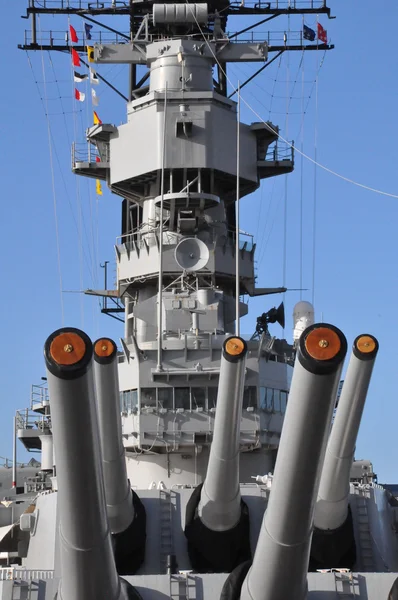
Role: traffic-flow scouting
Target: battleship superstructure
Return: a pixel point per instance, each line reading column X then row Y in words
column 160, row 461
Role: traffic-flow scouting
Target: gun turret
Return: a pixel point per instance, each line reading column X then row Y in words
column 279, row 569
column 87, row 563
column 333, row 543
column 217, row 521
column 126, row 513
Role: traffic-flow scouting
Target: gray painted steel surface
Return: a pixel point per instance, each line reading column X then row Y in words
column 332, row 502
column 219, row 507
column 280, row 564
column 117, row 488
column 171, row 446
column 87, row 564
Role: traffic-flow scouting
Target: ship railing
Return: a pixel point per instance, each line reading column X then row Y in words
column 58, row 38
column 280, row 151
column 87, row 153
column 12, row 574
column 39, row 395
column 110, row 4
column 7, row 463
column 55, row 39
column 246, row 240
column 138, row 238
column 36, row 485
column 29, row 419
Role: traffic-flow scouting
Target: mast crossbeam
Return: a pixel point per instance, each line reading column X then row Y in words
column 80, row 7
column 276, row 40
column 273, row 48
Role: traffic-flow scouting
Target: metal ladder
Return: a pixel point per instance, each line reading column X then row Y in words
column 166, row 531
column 25, row 590
column 345, row 585
column 182, row 587
column 365, row 539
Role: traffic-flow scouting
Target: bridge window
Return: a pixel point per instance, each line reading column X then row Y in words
column 181, row 398
column 128, row 401
column 165, row 398
column 212, row 397
column 250, row 397
column 198, row 398
column 273, row 400
column 148, row 397
column 283, row 401
column 277, row 401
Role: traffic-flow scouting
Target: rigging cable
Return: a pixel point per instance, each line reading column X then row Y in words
column 285, row 200
column 266, row 236
column 93, row 215
column 273, row 89
column 301, row 176
column 53, row 190
column 314, row 215
column 264, row 248
column 69, row 142
column 78, row 198
column 306, row 156
column 54, row 147
column 59, row 96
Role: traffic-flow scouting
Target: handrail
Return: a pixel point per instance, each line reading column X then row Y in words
column 28, row 419
column 39, row 395
column 57, row 38
column 12, row 573
column 106, row 4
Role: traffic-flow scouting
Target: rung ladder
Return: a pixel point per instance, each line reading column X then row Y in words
column 166, row 530
column 365, row 545
column 345, row 585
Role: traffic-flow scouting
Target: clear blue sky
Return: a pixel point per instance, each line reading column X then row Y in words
column 356, row 232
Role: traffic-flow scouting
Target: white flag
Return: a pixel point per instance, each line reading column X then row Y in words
column 94, row 77
column 94, row 97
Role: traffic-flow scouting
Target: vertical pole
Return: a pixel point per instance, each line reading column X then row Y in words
column 237, row 323
column 133, row 68
column 160, row 312
column 14, row 455
column 127, row 320
column 34, row 36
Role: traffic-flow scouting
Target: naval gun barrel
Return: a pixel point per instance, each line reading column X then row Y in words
column 88, row 567
column 126, row 513
column 219, row 507
column 280, row 564
column 117, row 488
column 332, row 503
column 217, row 519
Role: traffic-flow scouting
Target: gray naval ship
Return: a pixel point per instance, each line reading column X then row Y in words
column 192, row 463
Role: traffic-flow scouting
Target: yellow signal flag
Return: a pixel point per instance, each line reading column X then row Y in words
column 90, row 54
column 98, row 187
column 96, row 119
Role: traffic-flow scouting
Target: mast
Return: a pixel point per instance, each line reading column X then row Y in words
column 237, row 289
column 181, row 163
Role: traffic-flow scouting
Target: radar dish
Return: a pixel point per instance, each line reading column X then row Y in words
column 191, row 254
